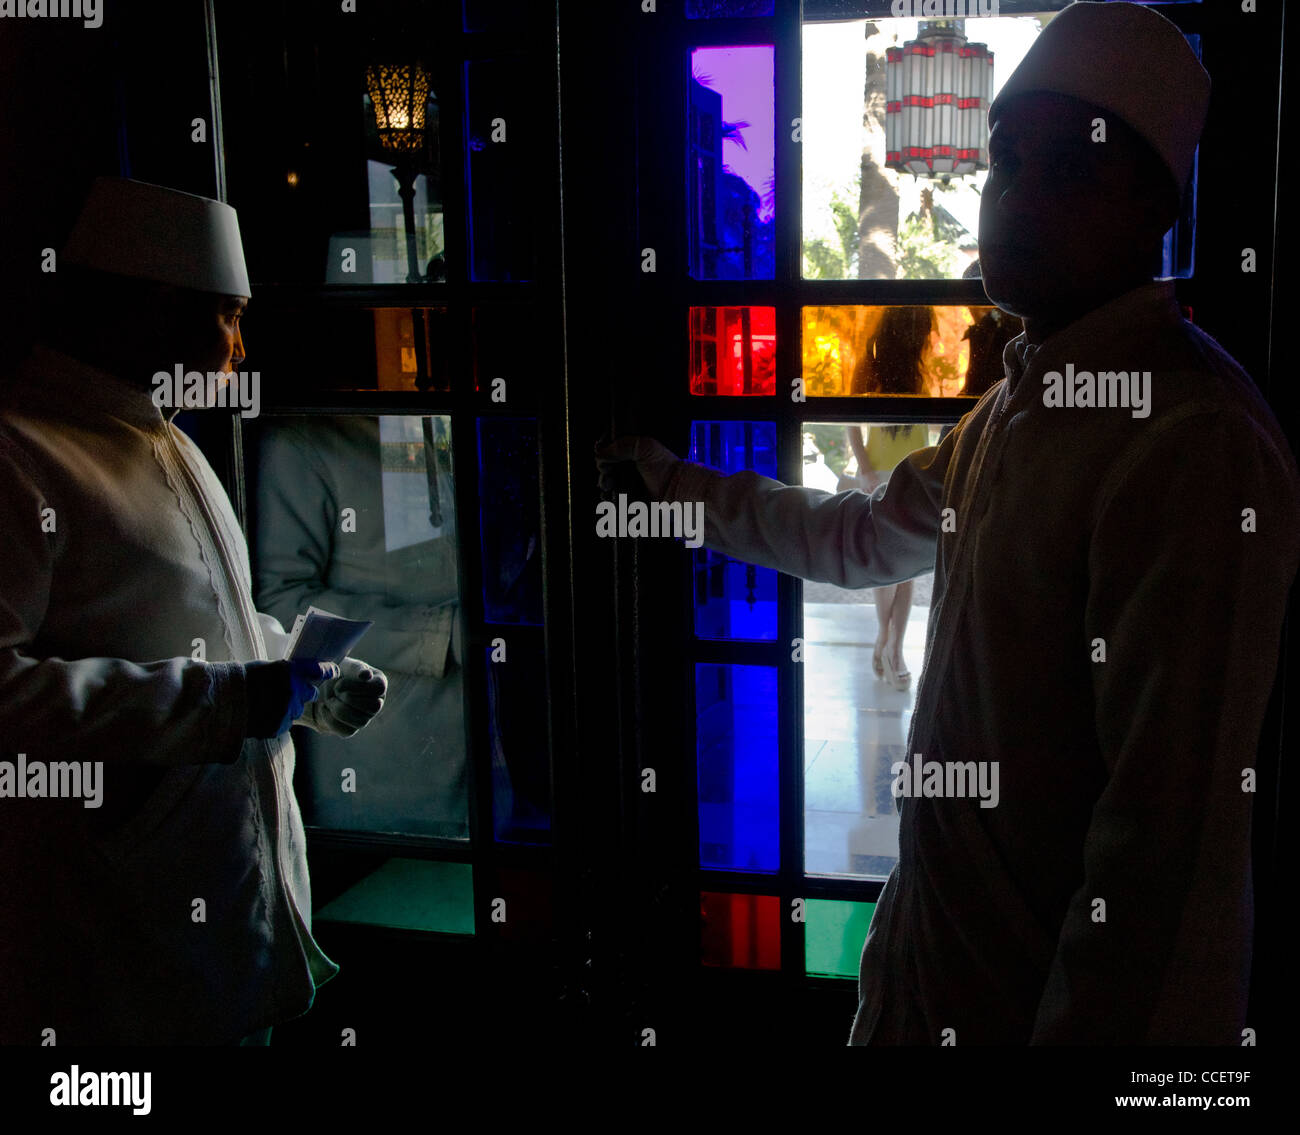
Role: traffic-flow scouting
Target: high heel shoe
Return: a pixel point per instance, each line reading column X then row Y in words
column 876, row 664
column 899, row 679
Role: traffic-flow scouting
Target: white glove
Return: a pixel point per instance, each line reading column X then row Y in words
column 347, row 703
column 654, row 462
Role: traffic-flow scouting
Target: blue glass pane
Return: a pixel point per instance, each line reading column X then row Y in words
column 709, row 9
column 730, row 171
column 734, row 600
column 503, row 160
column 1180, row 241
column 517, row 710
column 733, row 446
column 510, row 519
column 495, row 15
column 736, row 746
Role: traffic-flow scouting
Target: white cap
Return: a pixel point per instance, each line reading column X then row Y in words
column 150, row 232
column 1129, row 60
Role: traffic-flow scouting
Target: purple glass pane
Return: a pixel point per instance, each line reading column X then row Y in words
column 730, row 175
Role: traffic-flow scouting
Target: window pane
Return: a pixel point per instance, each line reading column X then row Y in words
column 403, row 156
column 855, row 716
column 1179, row 254
column 740, row 931
column 736, row 739
column 733, row 350
column 861, row 219
column 734, row 600
column 495, row 15
column 503, row 159
column 864, row 220
column 730, row 145
column 379, row 254
column 350, row 515
column 834, row 933
column 709, row 9
column 529, row 914
column 510, row 519
column 311, row 166
column 517, row 731
column 409, row 894
column 909, row 349
column 302, row 352
column 507, row 346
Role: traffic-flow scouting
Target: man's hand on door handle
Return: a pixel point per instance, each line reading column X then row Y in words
column 653, row 461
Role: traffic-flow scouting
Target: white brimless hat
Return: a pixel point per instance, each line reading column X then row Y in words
column 150, row 232
column 1126, row 59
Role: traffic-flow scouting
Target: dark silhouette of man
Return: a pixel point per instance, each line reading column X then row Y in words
column 1111, row 556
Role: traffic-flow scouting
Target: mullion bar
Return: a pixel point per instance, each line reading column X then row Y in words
column 374, row 403
column 846, row 408
column 722, row 652
column 839, row 888
column 1185, row 14
column 788, row 97
column 743, row 31
column 454, row 177
column 690, row 292
column 444, row 293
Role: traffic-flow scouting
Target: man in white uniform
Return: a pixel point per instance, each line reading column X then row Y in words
column 176, row 909
column 1108, row 596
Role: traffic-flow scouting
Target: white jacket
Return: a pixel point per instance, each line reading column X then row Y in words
column 180, row 911
column 1120, row 780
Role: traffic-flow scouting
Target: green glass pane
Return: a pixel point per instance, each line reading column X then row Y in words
column 833, row 935
column 411, row 894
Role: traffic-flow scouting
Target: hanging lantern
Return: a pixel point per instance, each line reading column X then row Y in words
column 937, row 90
column 400, row 95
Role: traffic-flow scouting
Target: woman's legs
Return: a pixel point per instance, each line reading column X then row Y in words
column 884, row 605
column 902, row 605
column 893, row 603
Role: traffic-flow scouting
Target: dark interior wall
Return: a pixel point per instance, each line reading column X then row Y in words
column 77, row 102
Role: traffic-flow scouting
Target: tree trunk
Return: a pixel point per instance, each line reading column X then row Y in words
column 878, row 200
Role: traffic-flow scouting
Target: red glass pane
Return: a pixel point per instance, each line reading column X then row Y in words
column 527, row 916
column 742, row 931
column 733, row 350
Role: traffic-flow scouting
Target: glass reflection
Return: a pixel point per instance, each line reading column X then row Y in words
column 356, row 515
column 904, row 350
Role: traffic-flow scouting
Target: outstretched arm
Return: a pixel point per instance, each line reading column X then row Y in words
column 851, row 539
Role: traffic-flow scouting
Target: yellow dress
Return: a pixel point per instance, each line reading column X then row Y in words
column 884, row 452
